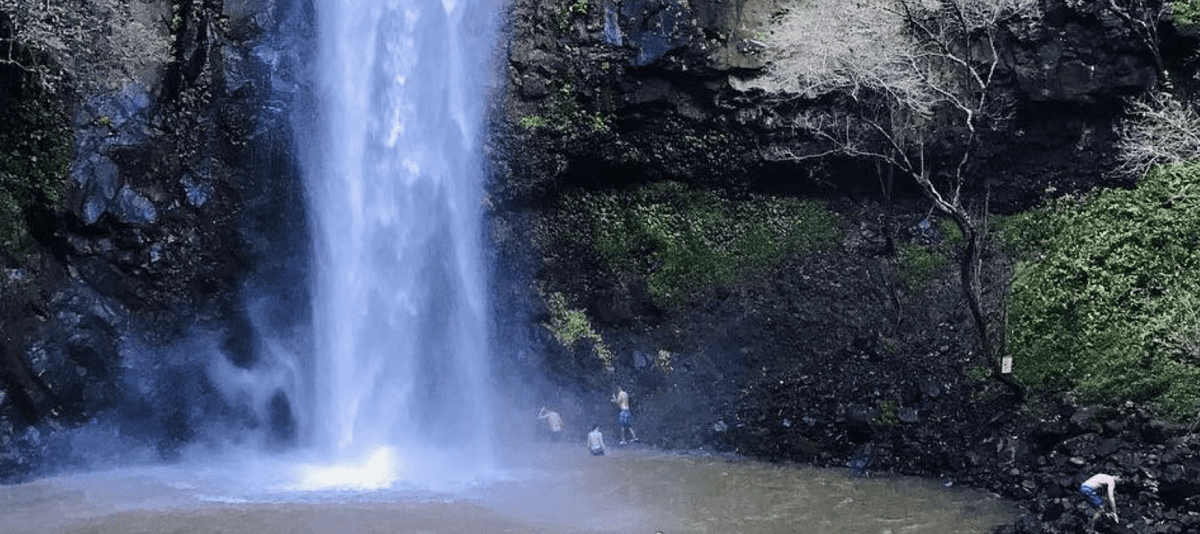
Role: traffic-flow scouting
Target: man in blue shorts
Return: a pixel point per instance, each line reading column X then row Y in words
column 624, row 417
column 1100, row 482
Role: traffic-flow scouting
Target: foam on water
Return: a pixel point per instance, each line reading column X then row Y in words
column 380, row 470
column 237, row 477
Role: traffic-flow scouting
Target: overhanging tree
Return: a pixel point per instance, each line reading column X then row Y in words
column 1141, row 18
column 1158, row 129
column 98, row 43
column 915, row 84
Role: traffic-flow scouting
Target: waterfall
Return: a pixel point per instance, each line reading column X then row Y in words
column 392, row 166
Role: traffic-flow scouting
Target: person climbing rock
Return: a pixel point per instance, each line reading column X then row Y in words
column 553, row 423
column 624, row 416
column 595, row 441
column 1099, row 482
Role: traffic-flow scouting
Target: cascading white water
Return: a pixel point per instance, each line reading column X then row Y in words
column 393, row 177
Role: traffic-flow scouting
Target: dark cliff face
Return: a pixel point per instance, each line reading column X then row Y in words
column 183, row 202
column 610, row 95
column 831, row 357
column 605, row 93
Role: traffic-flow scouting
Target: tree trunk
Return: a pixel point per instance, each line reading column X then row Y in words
column 969, row 266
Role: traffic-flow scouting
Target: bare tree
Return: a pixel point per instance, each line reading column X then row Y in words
column 1158, row 130
column 93, row 42
column 911, row 74
column 1142, row 18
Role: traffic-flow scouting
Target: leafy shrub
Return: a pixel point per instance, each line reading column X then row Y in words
column 682, row 240
column 35, row 151
column 571, row 325
column 565, row 113
column 533, row 122
column 1106, row 296
column 952, row 236
column 887, row 415
column 1186, row 12
column 919, row 265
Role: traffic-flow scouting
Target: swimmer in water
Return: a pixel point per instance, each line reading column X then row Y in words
column 595, row 441
column 553, row 422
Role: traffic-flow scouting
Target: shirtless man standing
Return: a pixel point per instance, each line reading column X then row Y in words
column 624, row 417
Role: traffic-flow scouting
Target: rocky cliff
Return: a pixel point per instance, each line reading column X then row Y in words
column 843, row 356
column 184, row 207
column 616, row 92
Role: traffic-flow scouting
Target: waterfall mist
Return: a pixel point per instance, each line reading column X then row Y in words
column 357, row 352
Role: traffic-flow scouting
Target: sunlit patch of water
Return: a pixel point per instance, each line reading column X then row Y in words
column 380, row 470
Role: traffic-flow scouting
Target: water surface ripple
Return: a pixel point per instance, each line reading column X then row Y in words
column 540, row 489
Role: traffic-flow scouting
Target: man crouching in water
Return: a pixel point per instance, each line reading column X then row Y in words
column 554, row 422
column 595, row 441
column 1092, row 485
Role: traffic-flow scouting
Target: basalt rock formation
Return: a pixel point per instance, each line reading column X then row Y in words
column 182, row 198
column 184, row 205
column 829, row 358
column 605, row 93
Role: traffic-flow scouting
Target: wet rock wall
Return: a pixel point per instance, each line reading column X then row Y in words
column 183, row 201
column 829, row 359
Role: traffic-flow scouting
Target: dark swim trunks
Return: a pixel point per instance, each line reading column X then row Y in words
column 625, row 418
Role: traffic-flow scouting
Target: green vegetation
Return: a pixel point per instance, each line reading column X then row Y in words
column 1186, row 12
column 887, row 416
column 53, row 50
column 580, row 7
column 977, row 373
column 1106, row 299
column 565, row 114
column 569, row 12
column 571, row 325
column 951, row 235
column 35, row 151
column 682, row 240
column 533, row 122
column 919, row 265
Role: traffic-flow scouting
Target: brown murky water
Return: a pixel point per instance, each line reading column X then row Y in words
column 546, row 489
